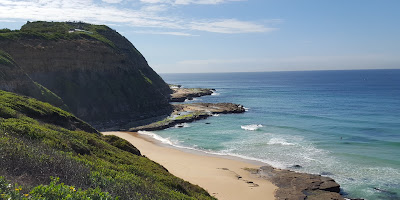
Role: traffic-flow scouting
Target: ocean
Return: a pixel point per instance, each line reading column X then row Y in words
column 341, row 124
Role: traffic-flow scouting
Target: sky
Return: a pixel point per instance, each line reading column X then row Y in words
column 197, row 36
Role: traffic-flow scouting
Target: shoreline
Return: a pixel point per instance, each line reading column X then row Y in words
column 180, row 160
column 246, row 176
column 222, row 177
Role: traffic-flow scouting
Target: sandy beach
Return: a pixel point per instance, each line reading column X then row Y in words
column 222, row 177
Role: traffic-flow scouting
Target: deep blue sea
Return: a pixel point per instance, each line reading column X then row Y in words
column 343, row 124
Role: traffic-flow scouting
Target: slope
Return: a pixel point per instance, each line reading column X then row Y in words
column 39, row 141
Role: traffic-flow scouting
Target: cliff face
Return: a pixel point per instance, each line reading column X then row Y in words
column 14, row 79
column 97, row 72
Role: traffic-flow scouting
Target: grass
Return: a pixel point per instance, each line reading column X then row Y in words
column 6, row 59
column 39, row 141
column 54, row 190
column 50, row 97
column 186, row 116
column 146, row 78
column 57, row 31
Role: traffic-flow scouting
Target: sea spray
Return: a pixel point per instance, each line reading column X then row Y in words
column 251, row 127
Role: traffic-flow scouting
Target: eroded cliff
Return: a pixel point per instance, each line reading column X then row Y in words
column 14, row 79
column 98, row 73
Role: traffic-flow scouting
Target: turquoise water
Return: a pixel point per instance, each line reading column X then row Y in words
column 344, row 124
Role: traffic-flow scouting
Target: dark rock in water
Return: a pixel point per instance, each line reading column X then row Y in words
column 296, row 167
column 389, row 193
column 180, row 126
column 294, row 185
column 207, row 123
column 326, row 174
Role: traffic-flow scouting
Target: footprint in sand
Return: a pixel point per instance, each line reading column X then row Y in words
column 251, row 183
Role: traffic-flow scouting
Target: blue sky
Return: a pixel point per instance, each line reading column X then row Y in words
column 237, row 35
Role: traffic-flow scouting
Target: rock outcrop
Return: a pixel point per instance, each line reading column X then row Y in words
column 98, row 73
column 190, row 112
column 182, row 94
column 296, row 186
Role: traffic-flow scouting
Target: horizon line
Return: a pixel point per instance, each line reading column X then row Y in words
column 311, row 70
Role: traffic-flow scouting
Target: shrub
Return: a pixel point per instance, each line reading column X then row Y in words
column 34, row 147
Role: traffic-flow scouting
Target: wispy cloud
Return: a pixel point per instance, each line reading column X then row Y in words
column 370, row 61
column 187, row 2
column 112, row 1
column 230, row 26
column 165, row 33
column 148, row 14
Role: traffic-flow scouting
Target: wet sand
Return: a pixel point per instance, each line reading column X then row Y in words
column 222, row 177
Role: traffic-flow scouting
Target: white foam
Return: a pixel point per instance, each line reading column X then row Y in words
column 215, row 94
column 246, row 109
column 183, row 125
column 269, row 162
column 251, row 127
column 220, row 153
column 194, row 99
column 156, row 137
column 215, row 115
column 279, row 141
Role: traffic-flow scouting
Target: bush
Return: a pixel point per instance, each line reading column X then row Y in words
column 34, row 147
column 54, row 190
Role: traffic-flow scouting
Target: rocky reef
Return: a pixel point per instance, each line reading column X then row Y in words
column 181, row 94
column 97, row 72
column 190, row 112
column 295, row 186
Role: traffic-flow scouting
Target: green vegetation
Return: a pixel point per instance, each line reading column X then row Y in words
column 5, row 30
column 54, row 190
column 57, row 31
column 190, row 115
column 6, row 59
column 39, row 141
column 49, row 96
column 145, row 77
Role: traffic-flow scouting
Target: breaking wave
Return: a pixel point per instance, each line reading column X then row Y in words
column 251, row 127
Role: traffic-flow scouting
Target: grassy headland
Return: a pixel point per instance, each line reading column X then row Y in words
column 57, row 31
column 39, row 141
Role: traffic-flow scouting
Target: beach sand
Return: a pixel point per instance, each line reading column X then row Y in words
column 222, row 177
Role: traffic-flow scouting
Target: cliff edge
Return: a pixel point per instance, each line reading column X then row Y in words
column 97, row 72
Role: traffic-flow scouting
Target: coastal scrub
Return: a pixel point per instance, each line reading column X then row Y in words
column 39, row 141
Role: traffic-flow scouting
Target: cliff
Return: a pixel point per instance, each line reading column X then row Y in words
column 39, row 141
column 14, row 79
column 97, row 72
